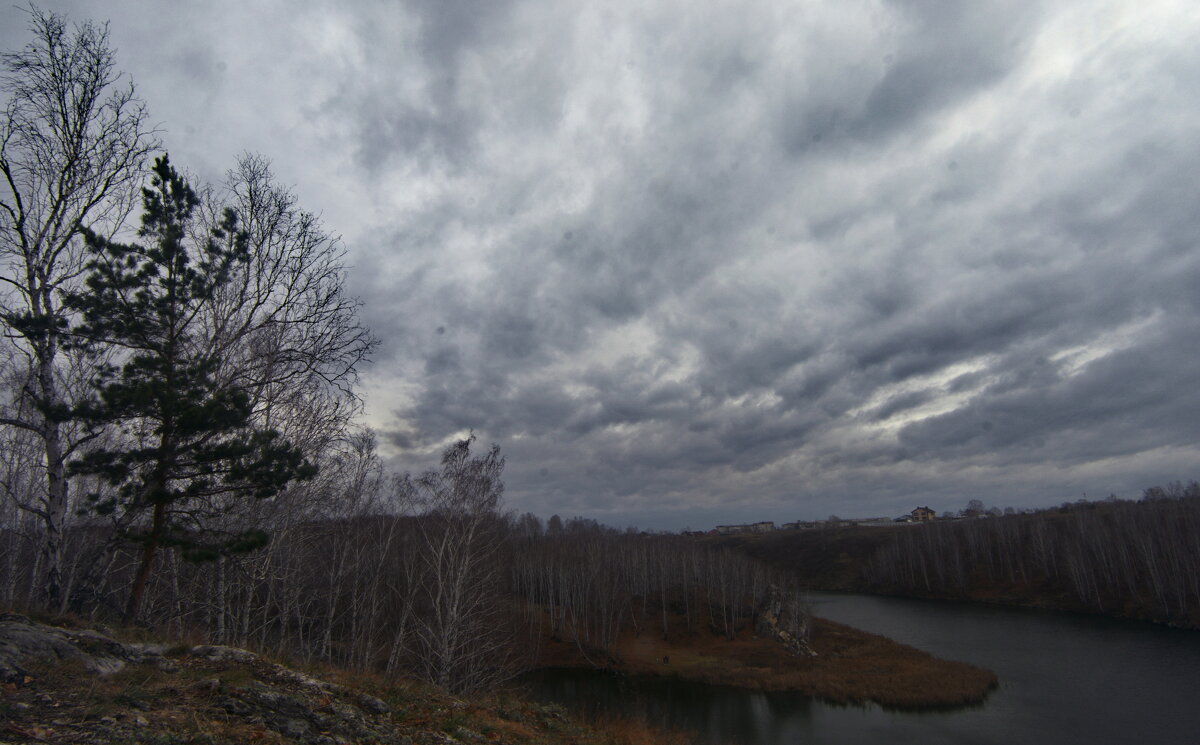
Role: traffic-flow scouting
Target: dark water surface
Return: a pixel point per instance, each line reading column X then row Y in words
column 1064, row 678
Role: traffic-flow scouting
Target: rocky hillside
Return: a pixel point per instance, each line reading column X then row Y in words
column 79, row 685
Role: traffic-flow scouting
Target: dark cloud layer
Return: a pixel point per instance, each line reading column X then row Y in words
column 695, row 263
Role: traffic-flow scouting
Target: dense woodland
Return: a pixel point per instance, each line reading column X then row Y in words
column 594, row 583
column 1127, row 558
column 424, row 576
column 1120, row 557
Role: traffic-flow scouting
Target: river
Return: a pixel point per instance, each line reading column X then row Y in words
column 1064, row 679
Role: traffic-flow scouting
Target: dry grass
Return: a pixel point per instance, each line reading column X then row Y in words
column 851, row 666
column 170, row 711
column 64, row 704
column 634, row 732
column 500, row 717
column 854, row 666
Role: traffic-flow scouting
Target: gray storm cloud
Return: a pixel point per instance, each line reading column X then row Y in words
column 694, row 263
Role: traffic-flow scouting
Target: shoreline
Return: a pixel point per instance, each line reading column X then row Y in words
column 850, row 666
column 1032, row 602
column 835, row 559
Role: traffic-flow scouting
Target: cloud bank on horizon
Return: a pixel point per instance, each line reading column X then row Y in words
column 691, row 263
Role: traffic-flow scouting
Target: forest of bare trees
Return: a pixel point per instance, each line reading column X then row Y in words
column 594, row 583
column 1120, row 557
column 421, row 576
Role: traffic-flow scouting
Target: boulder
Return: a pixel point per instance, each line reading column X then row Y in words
column 23, row 641
column 781, row 616
column 221, row 653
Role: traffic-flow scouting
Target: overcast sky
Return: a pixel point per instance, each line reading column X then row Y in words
column 696, row 262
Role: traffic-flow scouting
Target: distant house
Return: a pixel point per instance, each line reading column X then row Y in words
column 922, row 514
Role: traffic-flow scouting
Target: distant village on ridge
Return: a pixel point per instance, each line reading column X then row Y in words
column 918, row 515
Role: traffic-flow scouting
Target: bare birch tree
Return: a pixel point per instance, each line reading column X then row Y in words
column 285, row 324
column 464, row 634
column 73, row 141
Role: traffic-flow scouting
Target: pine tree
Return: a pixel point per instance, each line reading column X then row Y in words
column 188, row 442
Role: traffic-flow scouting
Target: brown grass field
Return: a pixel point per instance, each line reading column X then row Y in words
column 850, row 667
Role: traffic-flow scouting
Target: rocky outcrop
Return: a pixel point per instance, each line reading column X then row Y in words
column 23, row 641
column 219, row 695
column 782, row 616
column 298, row 717
column 221, row 653
column 299, row 707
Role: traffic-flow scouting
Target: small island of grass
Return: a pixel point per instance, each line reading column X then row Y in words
column 849, row 666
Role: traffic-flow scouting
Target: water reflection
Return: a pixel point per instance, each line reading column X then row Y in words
column 717, row 714
column 1063, row 679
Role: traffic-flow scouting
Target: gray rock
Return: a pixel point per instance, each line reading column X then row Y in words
column 782, row 617
column 296, row 728
column 208, row 685
column 309, row 721
column 23, row 641
column 221, row 653
column 308, row 710
column 234, row 706
column 299, row 678
column 371, row 705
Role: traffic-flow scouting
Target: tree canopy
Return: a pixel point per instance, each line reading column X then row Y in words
column 190, row 441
